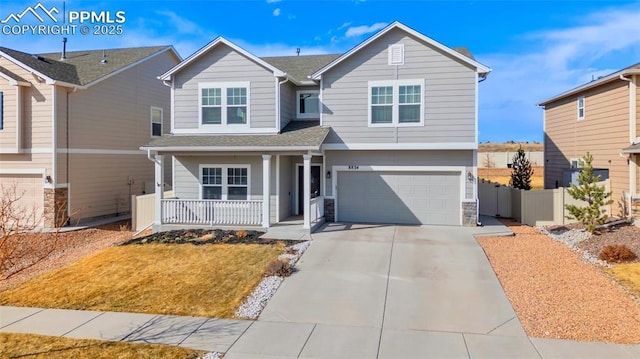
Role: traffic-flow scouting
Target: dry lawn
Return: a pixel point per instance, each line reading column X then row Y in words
column 556, row 294
column 503, row 176
column 510, row 147
column 207, row 280
column 45, row 347
column 628, row 275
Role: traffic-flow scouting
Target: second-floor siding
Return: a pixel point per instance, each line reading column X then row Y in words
column 448, row 89
column 223, row 68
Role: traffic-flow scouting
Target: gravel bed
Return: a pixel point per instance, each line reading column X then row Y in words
column 556, row 294
column 253, row 305
column 212, row 355
column 572, row 237
column 626, row 234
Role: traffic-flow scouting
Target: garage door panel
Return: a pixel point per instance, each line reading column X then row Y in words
column 399, row 197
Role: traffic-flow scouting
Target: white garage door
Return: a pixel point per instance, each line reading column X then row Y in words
column 399, row 197
column 29, row 187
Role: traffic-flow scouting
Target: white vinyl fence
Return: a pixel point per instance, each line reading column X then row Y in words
column 143, row 210
column 534, row 208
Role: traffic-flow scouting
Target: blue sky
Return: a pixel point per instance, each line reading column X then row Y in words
column 536, row 48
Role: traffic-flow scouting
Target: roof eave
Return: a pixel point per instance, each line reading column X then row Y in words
column 479, row 67
column 44, row 77
column 228, row 148
column 614, row 76
column 167, row 75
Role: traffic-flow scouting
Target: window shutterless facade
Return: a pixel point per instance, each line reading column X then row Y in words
column 581, row 108
column 308, row 104
column 396, row 103
column 156, row 122
column 224, row 103
column 225, row 182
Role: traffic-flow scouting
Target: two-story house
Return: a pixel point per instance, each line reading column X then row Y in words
column 71, row 124
column 599, row 117
column 384, row 133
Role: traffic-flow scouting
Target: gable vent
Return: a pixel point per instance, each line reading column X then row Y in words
column 396, row 54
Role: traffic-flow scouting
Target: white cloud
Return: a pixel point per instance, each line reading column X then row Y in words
column 273, row 1
column 555, row 61
column 364, row 29
column 181, row 24
column 276, row 12
column 344, row 25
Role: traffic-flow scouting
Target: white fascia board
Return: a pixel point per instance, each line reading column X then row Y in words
column 230, row 148
column 401, row 146
column 592, row 84
column 224, row 130
column 33, row 71
column 14, row 82
column 220, row 40
column 133, row 64
column 397, row 25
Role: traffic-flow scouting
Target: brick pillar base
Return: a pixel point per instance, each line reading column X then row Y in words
column 55, row 207
column 329, row 213
column 469, row 214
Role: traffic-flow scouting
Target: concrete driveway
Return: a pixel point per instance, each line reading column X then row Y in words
column 384, row 291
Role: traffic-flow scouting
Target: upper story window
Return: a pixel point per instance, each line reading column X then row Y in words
column 308, row 104
column 225, row 182
column 581, row 108
column 396, row 103
column 224, row 103
column 156, row 122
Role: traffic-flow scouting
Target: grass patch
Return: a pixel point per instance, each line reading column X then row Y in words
column 208, row 280
column 628, row 275
column 40, row 346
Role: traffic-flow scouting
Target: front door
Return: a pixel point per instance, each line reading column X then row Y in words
column 315, row 185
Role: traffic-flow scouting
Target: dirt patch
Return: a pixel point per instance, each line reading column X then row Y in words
column 627, row 234
column 69, row 247
column 556, row 294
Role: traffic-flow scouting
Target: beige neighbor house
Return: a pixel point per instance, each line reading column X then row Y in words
column 71, row 124
column 384, row 133
column 599, row 117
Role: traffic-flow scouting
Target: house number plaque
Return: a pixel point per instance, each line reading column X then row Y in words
column 354, row 167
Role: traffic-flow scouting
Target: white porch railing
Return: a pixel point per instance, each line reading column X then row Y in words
column 316, row 210
column 211, row 212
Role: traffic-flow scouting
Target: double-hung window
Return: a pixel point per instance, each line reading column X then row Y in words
column 156, row 122
column 308, row 104
column 225, row 182
column 224, row 103
column 396, row 103
column 580, row 108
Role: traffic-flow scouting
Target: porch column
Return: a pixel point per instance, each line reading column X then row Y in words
column 159, row 188
column 266, row 186
column 307, row 190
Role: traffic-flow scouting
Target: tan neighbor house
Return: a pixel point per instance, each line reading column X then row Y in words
column 599, row 117
column 71, row 125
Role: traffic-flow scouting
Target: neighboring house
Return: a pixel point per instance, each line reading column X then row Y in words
column 599, row 117
column 71, row 124
column 384, row 133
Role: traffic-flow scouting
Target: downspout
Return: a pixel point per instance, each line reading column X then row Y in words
column 54, row 136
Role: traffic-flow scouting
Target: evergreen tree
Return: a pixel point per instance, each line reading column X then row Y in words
column 521, row 171
column 595, row 196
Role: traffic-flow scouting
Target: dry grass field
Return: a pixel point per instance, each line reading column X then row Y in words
column 503, row 175
column 509, row 147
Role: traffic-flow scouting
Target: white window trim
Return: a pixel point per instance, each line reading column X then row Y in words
column 576, row 160
column 224, row 86
column 161, row 120
column 225, row 179
column 307, row 115
column 390, row 54
column 395, row 109
column 584, row 105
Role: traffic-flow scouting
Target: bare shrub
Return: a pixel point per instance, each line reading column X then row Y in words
column 241, row 233
column 278, row 267
column 617, row 253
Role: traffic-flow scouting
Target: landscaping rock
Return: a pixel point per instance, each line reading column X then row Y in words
column 206, row 236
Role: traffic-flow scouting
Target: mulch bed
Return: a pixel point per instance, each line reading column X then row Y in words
column 625, row 234
column 207, row 236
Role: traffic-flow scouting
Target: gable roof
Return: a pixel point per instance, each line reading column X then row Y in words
column 631, row 70
column 216, row 42
column 82, row 68
column 13, row 78
column 297, row 135
column 480, row 68
column 299, row 68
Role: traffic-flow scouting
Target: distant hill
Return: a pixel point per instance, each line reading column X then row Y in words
column 509, row 147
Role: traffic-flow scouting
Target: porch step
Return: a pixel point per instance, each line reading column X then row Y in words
column 293, row 233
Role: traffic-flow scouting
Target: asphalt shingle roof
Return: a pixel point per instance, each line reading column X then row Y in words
column 300, row 67
column 82, row 67
column 295, row 134
column 12, row 75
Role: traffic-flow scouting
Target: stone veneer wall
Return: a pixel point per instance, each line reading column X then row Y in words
column 55, row 207
column 469, row 214
column 329, row 213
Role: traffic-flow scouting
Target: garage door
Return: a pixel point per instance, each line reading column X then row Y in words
column 399, row 197
column 27, row 186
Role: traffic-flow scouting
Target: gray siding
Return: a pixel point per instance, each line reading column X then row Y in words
column 287, row 104
column 449, row 96
column 223, row 64
column 401, row 158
